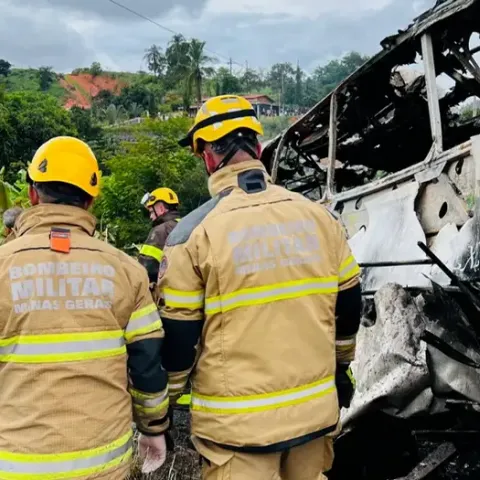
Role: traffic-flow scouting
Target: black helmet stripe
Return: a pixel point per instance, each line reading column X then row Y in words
column 185, row 142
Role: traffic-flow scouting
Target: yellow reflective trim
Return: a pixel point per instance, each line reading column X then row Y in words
column 62, row 357
column 144, row 330
column 348, row 269
column 345, row 347
column 272, row 406
column 60, row 457
column 141, row 395
column 346, row 262
column 157, row 409
column 143, row 311
column 64, row 341
column 60, row 338
column 263, row 408
column 266, row 293
column 260, row 396
column 152, row 251
column 192, row 300
column 72, row 474
column 185, row 399
column 351, row 377
column 184, row 293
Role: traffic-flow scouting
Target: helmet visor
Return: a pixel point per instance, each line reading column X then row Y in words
column 145, row 199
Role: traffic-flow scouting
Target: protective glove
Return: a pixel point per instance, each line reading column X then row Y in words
column 153, row 452
column 345, row 383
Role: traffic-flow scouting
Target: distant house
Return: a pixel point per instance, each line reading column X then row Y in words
column 262, row 104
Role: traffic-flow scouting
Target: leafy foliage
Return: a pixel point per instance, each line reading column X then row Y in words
column 138, row 158
column 27, row 120
column 152, row 160
column 46, row 77
column 5, row 68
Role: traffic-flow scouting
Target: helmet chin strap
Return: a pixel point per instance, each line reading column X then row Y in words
column 236, row 145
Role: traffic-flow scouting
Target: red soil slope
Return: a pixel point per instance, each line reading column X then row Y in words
column 83, row 87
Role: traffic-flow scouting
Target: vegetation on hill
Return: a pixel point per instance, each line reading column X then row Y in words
column 93, row 104
column 178, row 76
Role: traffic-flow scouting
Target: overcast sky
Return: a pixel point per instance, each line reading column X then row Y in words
column 67, row 34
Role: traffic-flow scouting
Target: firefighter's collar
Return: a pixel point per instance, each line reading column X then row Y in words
column 43, row 217
column 228, row 176
column 167, row 217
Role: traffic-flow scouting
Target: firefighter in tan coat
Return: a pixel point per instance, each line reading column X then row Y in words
column 261, row 308
column 80, row 337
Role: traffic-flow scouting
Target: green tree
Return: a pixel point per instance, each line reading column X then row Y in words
column 310, row 93
column 335, row 71
column 114, row 114
column 95, row 69
column 86, row 124
column 177, row 59
column 299, row 74
column 27, row 119
column 46, row 77
column 156, row 60
column 5, row 68
column 139, row 169
column 281, row 79
column 227, row 83
column 251, row 81
column 198, row 67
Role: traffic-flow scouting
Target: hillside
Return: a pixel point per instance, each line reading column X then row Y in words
column 75, row 89
column 81, row 88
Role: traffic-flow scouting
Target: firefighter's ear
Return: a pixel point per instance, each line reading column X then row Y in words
column 33, row 196
column 88, row 203
column 210, row 161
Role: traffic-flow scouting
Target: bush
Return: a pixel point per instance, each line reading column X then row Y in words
column 152, row 160
column 273, row 126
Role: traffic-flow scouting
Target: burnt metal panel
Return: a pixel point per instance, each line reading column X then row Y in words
column 439, row 205
column 392, row 234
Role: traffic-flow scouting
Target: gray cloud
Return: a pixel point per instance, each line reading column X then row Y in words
column 108, row 11
column 71, row 33
column 28, row 39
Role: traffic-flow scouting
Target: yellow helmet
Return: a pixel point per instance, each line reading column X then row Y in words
column 67, row 160
column 163, row 194
column 220, row 116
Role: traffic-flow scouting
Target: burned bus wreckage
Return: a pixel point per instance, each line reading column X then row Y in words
column 392, row 153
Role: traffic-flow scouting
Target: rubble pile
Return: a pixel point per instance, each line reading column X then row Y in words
column 416, row 411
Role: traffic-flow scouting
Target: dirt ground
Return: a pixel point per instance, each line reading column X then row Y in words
column 183, row 463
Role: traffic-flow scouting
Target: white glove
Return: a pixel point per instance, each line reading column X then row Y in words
column 153, row 452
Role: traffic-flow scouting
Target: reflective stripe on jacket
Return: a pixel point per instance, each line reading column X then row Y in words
column 72, row 325
column 249, row 289
column 151, row 252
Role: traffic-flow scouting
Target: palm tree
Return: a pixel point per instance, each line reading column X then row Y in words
column 155, row 59
column 177, row 53
column 197, row 67
column 114, row 114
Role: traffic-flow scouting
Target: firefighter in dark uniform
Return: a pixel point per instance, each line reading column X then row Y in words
column 162, row 205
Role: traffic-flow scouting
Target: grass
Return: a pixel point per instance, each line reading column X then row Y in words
column 272, row 126
column 26, row 80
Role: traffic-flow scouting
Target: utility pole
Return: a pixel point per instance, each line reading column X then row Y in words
column 231, row 65
column 281, row 97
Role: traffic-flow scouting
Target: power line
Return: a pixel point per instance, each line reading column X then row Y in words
column 163, row 27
